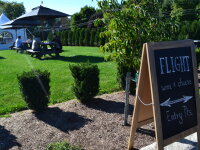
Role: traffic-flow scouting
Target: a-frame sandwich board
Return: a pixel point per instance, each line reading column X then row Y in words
column 167, row 92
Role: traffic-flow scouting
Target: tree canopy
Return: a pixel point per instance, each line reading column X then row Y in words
column 82, row 19
column 129, row 24
column 12, row 9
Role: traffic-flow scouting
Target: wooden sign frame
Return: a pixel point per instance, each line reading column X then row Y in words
column 147, row 92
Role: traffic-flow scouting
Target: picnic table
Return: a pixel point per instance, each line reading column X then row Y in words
column 47, row 48
column 26, row 45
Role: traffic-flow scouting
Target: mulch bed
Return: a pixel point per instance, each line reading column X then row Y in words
column 94, row 126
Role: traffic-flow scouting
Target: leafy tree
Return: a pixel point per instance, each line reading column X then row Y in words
column 75, row 20
column 97, row 15
column 102, row 39
column 185, row 13
column 12, row 9
column 80, row 20
column 129, row 25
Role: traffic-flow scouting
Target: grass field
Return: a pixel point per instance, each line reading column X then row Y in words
column 13, row 64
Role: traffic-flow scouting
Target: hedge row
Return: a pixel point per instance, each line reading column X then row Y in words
column 80, row 37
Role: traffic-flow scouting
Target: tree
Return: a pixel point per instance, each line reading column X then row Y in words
column 129, row 24
column 12, row 9
column 75, row 21
column 80, row 20
column 185, row 13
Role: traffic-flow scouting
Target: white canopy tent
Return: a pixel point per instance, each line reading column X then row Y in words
column 8, row 36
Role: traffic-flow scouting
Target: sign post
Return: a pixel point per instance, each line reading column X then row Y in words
column 168, row 80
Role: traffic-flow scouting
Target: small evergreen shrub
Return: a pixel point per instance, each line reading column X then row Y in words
column 198, row 56
column 70, row 34
column 86, row 40
column 92, row 37
column 96, row 39
column 82, row 35
column 62, row 146
column 86, row 81
column 122, row 70
column 35, row 88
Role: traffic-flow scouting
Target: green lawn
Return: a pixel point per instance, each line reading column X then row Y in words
column 12, row 64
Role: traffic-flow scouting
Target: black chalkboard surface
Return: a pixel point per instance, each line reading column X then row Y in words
column 167, row 92
column 175, row 80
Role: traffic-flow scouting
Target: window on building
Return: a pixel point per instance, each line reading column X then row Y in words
column 6, row 37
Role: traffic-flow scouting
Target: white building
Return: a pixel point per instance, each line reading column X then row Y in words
column 8, row 36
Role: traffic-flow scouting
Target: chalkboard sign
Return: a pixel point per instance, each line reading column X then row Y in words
column 174, row 70
column 167, row 92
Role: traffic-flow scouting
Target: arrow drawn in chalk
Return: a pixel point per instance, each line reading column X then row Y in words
column 168, row 103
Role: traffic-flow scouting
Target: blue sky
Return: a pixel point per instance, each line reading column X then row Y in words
column 66, row 6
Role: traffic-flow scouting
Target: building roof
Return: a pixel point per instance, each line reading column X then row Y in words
column 3, row 19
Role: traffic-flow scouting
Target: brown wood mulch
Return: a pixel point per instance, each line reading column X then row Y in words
column 94, row 126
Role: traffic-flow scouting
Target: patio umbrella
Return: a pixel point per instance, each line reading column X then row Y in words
column 18, row 22
column 41, row 13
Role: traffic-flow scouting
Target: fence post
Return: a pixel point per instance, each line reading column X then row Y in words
column 126, row 108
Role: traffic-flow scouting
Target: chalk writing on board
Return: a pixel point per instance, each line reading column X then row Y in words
column 174, row 64
column 176, row 90
column 168, row 103
column 179, row 116
column 176, row 84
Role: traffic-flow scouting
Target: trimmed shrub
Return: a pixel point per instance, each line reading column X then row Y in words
column 50, row 36
column 35, row 88
column 62, row 146
column 63, row 38
column 70, row 34
column 82, row 35
column 73, row 38
column 122, row 70
column 77, row 36
column 96, row 40
column 92, row 36
column 86, row 40
column 102, row 39
column 198, row 56
column 86, row 81
column 66, row 37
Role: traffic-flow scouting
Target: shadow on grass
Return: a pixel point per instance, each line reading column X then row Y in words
column 64, row 121
column 7, row 140
column 108, row 106
column 2, row 57
column 77, row 59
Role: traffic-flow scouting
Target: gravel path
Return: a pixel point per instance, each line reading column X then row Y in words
column 95, row 126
